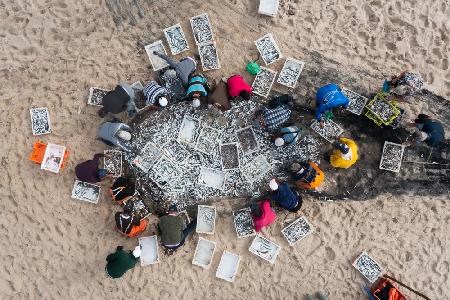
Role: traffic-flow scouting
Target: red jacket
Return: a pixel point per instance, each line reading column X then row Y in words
column 268, row 216
column 236, row 84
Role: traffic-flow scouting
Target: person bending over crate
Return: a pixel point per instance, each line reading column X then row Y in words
column 122, row 190
column 184, row 68
column 119, row 262
column 307, row 175
column 272, row 117
column 118, row 100
column 262, row 215
column 345, row 154
column 129, row 224
column 237, row 87
column 429, row 131
column 287, row 136
column 282, row 194
column 115, row 134
column 89, row 171
column 329, row 97
column 197, row 88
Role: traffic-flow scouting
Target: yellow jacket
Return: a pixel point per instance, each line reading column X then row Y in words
column 336, row 159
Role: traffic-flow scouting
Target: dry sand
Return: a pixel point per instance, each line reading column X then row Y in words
column 55, row 248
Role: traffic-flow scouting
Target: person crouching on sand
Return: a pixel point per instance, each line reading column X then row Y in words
column 237, row 87
column 119, row 262
column 287, row 136
column 173, row 229
column 345, row 154
column 262, row 215
column 307, row 175
column 129, row 224
column 219, row 97
column 118, row 100
column 89, row 170
column 115, row 134
column 155, row 94
column 284, row 196
column 272, row 117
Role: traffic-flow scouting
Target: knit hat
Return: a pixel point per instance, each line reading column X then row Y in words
column 124, row 135
column 172, row 207
column 279, row 142
column 195, row 102
column 423, row 136
column 273, row 185
column 163, row 101
column 137, row 251
column 342, row 147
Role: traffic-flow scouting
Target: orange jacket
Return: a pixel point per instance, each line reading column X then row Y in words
column 317, row 181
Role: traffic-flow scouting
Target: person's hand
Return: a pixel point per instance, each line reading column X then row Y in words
column 322, row 124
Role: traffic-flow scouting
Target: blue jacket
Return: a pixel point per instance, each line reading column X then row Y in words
column 435, row 131
column 285, row 196
column 328, row 97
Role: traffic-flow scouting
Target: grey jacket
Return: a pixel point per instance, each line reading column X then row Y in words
column 184, row 68
column 108, row 132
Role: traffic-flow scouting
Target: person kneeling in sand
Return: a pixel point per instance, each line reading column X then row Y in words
column 184, row 68
column 89, row 171
column 307, row 175
column 119, row 262
column 345, row 154
column 122, row 190
column 155, row 94
column 237, row 87
column 262, row 215
column 129, row 224
column 284, row 196
column 173, row 229
column 197, row 89
column 118, row 100
column 115, row 134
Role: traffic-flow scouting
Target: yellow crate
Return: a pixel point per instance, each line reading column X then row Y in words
column 377, row 119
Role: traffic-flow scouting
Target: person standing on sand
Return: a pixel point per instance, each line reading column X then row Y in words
column 284, row 196
column 119, row 100
column 115, row 134
column 262, row 215
column 89, row 171
column 184, row 68
column 345, row 154
column 119, row 262
column 238, row 87
column 329, row 97
column 173, row 229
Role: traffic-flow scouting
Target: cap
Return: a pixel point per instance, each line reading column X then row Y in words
column 423, row 136
column 273, row 185
column 279, row 142
column 195, row 102
column 124, row 135
column 137, row 251
column 163, row 101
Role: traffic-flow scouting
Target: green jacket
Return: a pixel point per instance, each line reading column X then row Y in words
column 120, row 262
column 171, row 228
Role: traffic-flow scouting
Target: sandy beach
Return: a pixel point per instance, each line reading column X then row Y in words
column 55, row 247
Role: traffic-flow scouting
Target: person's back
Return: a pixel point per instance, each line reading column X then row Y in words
column 265, row 217
column 285, row 197
column 108, row 131
column 328, row 97
column 308, row 175
column 115, row 101
column 236, row 84
column 88, row 171
column 288, row 136
column 346, row 159
column 184, row 67
column 153, row 92
column 197, row 85
column 219, row 96
column 171, row 227
column 119, row 262
column 274, row 118
column 122, row 189
column 435, row 132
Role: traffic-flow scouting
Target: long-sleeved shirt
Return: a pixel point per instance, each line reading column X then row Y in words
column 236, row 84
column 108, row 132
column 268, row 216
column 153, row 91
column 184, row 67
column 434, row 130
column 119, row 262
column 171, row 230
column 220, row 96
column 328, row 97
column 116, row 101
column 87, row 171
column 285, row 197
column 290, row 134
column 125, row 222
column 274, row 118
